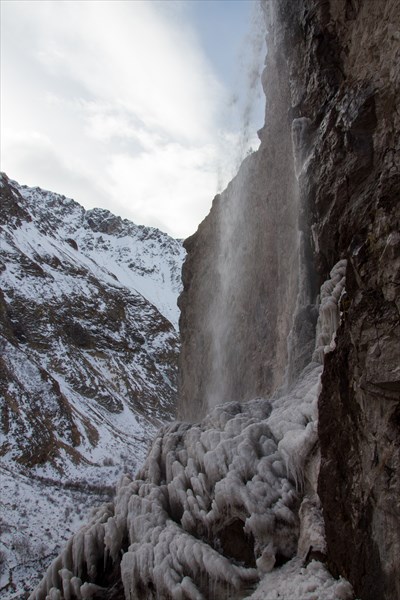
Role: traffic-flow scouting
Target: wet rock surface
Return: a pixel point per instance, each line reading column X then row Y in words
column 343, row 58
column 337, row 78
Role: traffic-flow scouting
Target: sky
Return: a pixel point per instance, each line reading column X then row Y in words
column 143, row 107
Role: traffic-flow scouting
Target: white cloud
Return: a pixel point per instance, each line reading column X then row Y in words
column 113, row 103
column 172, row 184
column 132, row 55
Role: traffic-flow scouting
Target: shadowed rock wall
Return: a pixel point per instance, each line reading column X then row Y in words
column 345, row 68
column 343, row 61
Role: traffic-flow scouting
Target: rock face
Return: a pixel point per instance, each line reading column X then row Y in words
column 348, row 53
column 88, row 360
column 333, row 85
column 224, row 357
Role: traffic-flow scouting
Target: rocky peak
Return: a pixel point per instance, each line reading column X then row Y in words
column 12, row 204
column 103, row 221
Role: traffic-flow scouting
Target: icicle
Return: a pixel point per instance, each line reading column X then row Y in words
column 113, row 536
column 66, row 577
column 76, row 587
column 312, row 528
column 90, row 590
column 329, row 315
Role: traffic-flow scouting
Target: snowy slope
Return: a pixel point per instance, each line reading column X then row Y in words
column 88, row 353
column 139, row 258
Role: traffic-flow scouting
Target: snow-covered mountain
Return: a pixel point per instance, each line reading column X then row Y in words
column 88, row 362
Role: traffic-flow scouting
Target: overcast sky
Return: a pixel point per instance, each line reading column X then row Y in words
column 137, row 106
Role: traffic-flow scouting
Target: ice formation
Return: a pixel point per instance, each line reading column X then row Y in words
column 302, row 142
column 224, row 508
column 329, row 313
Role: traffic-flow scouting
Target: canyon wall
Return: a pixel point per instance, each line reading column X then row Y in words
column 352, row 184
column 323, row 186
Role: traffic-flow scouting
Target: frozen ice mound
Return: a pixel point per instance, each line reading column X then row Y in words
column 223, row 508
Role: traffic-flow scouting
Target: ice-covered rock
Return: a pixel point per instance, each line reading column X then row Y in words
column 218, row 506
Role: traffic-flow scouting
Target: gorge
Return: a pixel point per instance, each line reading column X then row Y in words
column 282, row 477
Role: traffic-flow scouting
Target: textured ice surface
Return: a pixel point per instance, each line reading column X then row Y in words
column 329, row 314
column 224, row 508
column 294, row 581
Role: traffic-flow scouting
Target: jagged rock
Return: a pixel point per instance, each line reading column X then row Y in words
column 332, row 83
column 343, row 58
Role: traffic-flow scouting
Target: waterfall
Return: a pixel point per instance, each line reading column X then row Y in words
column 237, row 317
column 244, row 108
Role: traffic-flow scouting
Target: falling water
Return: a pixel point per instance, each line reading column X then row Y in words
column 251, row 60
column 245, row 104
column 254, row 269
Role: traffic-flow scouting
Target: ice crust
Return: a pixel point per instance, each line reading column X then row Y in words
column 329, row 313
column 244, row 477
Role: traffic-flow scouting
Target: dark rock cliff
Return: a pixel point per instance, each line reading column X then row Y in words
column 347, row 54
column 332, row 86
